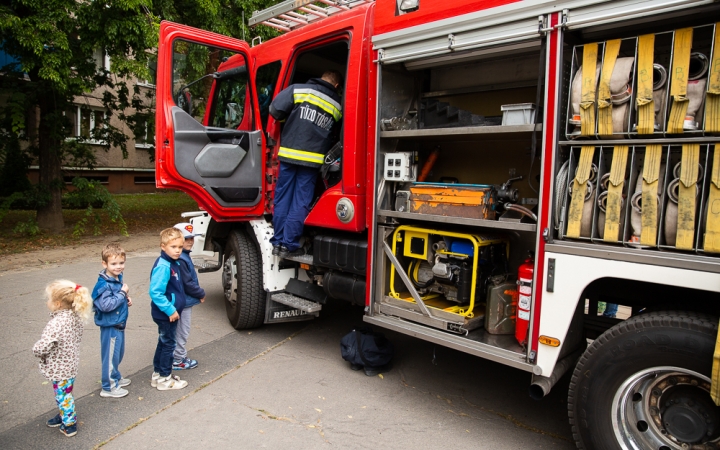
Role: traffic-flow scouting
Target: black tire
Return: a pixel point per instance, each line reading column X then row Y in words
column 242, row 282
column 645, row 384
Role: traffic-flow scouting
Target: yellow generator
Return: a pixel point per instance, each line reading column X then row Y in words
column 449, row 270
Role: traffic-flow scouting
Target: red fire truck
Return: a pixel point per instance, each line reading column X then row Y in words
column 507, row 168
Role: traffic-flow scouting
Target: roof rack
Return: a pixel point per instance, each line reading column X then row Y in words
column 292, row 14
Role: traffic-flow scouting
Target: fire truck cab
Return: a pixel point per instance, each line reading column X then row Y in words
column 507, row 168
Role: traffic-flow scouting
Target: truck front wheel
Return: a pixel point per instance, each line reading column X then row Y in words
column 242, row 282
column 645, row 384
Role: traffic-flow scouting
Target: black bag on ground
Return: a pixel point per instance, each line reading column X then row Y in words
column 363, row 347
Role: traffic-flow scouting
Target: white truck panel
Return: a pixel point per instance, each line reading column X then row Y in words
column 274, row 279
column 574, row 273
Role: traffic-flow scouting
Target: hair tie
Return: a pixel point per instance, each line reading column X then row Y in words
column 77, row 286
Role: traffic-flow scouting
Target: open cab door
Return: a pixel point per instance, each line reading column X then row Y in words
column 209, row 138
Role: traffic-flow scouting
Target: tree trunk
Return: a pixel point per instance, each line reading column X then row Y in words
column 49, row 216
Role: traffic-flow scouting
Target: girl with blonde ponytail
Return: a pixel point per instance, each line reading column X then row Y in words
column 59, row 347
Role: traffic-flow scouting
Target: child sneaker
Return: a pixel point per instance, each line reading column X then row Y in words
column 116, row 392
column 170, row 382
column 122, row 382
column 154, row 379
column 55, row 421
column 185, row 364
column 69, row 430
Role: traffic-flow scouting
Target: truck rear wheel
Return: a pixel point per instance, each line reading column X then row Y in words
column 242, row 282
column 645, row 384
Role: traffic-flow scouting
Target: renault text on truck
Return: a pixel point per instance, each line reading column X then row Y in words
column 507, row 168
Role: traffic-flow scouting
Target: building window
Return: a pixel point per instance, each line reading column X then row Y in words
column 86, row 121
column 102, row 60
column 147, row 138
column 99, row 179
column 152, row 68
column 144, row 180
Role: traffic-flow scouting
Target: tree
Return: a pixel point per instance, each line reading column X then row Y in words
column 54, row 43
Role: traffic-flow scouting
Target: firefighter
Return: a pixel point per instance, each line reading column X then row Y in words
column 312, row 113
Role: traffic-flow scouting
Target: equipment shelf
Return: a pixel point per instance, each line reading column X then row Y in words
column 471, row 133
column 515, row 226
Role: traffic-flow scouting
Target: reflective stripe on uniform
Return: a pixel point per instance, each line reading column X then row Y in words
column 318, row 99
column 301, row 155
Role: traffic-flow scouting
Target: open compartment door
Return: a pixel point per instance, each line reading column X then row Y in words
column 209, row 138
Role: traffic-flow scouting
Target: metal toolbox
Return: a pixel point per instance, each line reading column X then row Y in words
column 471, row 201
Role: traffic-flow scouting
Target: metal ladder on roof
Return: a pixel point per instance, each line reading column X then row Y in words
column 292, row 14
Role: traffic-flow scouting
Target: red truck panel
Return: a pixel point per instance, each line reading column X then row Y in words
column 429, row 11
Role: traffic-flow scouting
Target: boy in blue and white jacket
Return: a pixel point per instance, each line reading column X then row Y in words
column 168, row 300
column 111, row 302
column 194, row 295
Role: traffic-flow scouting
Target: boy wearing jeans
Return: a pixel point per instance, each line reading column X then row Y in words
column 194, row 294
column 111, row 302
column 168, row 300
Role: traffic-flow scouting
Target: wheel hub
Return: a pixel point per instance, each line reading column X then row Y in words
column 228, row 278
column 666, row 408
column 688, row 415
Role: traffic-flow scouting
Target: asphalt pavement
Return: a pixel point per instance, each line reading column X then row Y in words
column 278, row 386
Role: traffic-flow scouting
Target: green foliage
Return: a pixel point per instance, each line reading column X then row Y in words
column 55, row 44
column 92, row 194
column 28, row 228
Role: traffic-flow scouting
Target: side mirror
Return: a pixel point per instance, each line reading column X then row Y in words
column 184, row 100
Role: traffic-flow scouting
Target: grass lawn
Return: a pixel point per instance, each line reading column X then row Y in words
column 142, row 213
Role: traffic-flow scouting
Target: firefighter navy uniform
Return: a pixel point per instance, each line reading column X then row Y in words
column 311, row 112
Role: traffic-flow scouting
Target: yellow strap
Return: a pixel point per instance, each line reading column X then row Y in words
column 613, row 210
column 651, row 174
column 715, row 377
column 712, row 224
column 687, row 197
column 605, row 123
column 579, row 190
column 712, row 108
column 587, row 101
column 679, row 79
column 645, row 103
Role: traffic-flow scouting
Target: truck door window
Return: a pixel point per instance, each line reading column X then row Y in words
column 266, row 78
column 200, row 73
column 231, row 106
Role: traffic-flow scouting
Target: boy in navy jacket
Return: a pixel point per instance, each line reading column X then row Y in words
column 111, row 302
column 168, row 300
column 194, row 294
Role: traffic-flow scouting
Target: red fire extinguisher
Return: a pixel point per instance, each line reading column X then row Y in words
column 525, row 277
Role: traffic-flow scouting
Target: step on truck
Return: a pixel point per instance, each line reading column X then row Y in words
column 532, row 182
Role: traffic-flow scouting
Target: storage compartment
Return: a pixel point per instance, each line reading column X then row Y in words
column 461, row 95
column 675, row 228
column 636, row 193
column 440, row 246
column 469, row 128
column 628, row 91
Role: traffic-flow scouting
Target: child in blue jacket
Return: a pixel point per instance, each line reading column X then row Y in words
column 111, row 302
column 194, row 294
column 168, row 301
